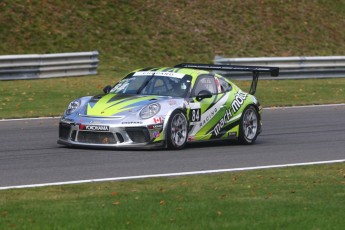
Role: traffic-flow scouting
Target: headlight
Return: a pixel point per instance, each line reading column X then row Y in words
column 73, row 106
column 150, row 110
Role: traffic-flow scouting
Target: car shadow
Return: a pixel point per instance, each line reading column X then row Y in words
column 195, row 145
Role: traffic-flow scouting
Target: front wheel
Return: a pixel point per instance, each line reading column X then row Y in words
column 249, row 126
column 177, row 130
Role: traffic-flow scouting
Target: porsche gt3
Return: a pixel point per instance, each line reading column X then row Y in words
column 166, row 107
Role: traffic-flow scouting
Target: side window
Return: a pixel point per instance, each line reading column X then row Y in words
column 205, row 82
column 224, row 85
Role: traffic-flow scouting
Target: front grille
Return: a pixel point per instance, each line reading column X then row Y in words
column 139, row 135
column 64, row 131
column 96, row 137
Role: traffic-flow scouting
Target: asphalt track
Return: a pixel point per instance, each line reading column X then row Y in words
column 29, row 153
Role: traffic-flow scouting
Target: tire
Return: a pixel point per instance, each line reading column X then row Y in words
column 249, row 126
column 177, row 131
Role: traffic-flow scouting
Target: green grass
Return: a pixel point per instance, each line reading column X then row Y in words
column 50, row 97
column 288, row 198
column 46, row 97
column 132, row 34
column 135, row 34
column 299, row 92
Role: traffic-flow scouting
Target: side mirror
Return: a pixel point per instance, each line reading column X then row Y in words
column 107, row 89
column 203, row 94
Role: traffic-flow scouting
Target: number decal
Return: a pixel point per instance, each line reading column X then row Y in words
column 195, row 115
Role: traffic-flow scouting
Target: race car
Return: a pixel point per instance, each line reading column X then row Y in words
column 166, row 107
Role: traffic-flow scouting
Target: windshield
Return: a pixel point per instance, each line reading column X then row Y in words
column 154, row 83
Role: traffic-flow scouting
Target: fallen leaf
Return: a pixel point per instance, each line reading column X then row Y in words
column 116, row 203
column 114, row 193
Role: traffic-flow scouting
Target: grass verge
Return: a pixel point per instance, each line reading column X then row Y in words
column 288, row 198
column 50, row 97
column 143, row 33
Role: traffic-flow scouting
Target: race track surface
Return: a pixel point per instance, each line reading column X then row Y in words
column 29, row 153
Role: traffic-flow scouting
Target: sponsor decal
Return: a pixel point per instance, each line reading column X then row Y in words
column 95, row 128
column 132, row 122
column 236, row 104
column 95, row 122
column 232, row 134
column 225, row 119
column 209, row 116
column 159, row 126
column 167, row 74
column 191, row 138
column 156, row 134
column 158, row 120
column 144, row 73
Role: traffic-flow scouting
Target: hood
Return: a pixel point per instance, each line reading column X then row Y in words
column 116, row 104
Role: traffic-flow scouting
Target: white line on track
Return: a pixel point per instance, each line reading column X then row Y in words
column 172, row 174
column 28, row 119
column 305, row 106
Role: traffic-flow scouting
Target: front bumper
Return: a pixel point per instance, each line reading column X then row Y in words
column 72, row 134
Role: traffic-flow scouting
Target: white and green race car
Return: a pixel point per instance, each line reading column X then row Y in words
column 166, row 107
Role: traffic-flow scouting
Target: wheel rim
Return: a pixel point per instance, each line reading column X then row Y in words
column 178, row 129
column 250, row 124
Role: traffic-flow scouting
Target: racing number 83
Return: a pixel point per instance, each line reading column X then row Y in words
column 195, row 115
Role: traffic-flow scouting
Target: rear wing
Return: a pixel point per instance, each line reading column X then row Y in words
column 274, row 71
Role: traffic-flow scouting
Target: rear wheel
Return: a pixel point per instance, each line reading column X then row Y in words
column 177, row 130
column 249, row 126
